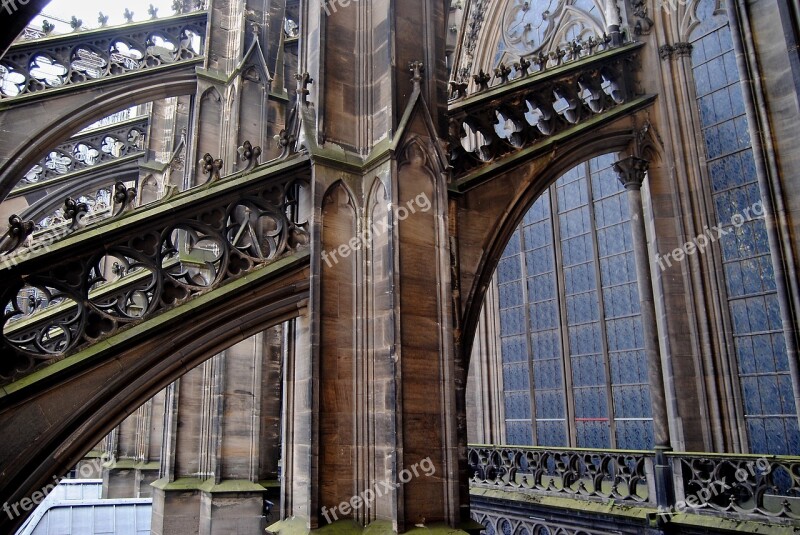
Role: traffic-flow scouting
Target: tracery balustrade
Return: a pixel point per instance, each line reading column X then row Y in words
column 33, row 67
column 88, row 149
column 739, row 485
column 528, row 107
column 60, row 299
column 609, row 475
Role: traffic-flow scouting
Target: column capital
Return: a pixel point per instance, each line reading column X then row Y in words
column 631, row 171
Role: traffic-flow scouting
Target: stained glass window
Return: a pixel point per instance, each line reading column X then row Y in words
column 766, row 389
column 583, row 323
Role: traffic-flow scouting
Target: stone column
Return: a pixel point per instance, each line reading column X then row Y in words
column 485, row 401
column 223, row 433
column 380, row 369
column 631, row 172
column 235, row 100
column 134, row 459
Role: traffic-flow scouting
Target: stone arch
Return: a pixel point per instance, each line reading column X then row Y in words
column 149, row 190
column 687, row 11
column 76, row 114
column 480, row 51
column 97, row 394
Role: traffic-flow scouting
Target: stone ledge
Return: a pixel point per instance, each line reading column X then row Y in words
column 296, row 526
column 208, row 485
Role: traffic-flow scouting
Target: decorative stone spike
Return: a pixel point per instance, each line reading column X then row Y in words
column 417, row 69
column 303, row 81
column 152, row 11
column 503, row 71
column 123, row 197
column 18, row 232
column 482, row 79
column 74, row 211
column 557, row 55
column 459, row 88
column 102, row 20
column 75, row 23
column 48, row 27
column 128, row 15
column 575, row 48
column 211, row 167
column 522, row 66
column 250, row 154
column 541, row 61
column 591, row 44
column 285, row 139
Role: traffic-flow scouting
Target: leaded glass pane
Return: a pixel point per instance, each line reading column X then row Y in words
column 595, row 299
column 749, row 278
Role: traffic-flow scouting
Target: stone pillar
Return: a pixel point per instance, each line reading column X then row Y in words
column 235, row 100
column 485, row 402
column 375, row 391
column 134, row 454
column 631, row 172
column 613, row 20
column 164, row 170
column 222, row 444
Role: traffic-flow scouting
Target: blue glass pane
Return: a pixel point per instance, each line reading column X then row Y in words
column 722, row 104
column 509, row 269
column 514, row 348
column 551, row 433
column 593, row 434
column 515, row 376
column 519, row 433
column 757, row 435
column 518, row 405
column 603, row 211
column 511, row 294
column 635, row 434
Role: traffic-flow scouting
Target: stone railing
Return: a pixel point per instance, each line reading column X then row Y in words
column 748, row 486
column 63, row 296
column 86, row 150
column 734, row 487
column 622, row 476
column 519, row 113
column 43, row 65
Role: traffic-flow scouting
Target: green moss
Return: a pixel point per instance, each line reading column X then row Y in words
column 295, row 526
column 717, row 524
column 639, row 512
